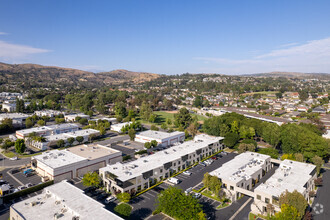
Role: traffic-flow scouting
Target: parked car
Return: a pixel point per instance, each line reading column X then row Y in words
column 202, row 164
column 28, row 185
column 174, row 180
column 197, row 195
column 3, row 182
column 223, row 153
column 214, row 158
column 14, row 190
column 29, row 174
column 188, row 173
column 13, row 158
column 187, row 191
column 21, row 187
column 14, row 171
column 101, row 196
column 110, row 199
column 158, row 189
column 27, row 171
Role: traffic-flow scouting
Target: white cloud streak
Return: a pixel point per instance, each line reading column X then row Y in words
column 14, row 51
column 312, row 56
column 3, row 33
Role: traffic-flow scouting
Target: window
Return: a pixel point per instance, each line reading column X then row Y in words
column 161, row 170
column 266, row 200
column 179, row 162
column 174, row 164
column 258, row 197
column 231, row 188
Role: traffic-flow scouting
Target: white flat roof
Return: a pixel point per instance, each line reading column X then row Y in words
column 159, row 135
column 241, row 167
column 138, row 167
column 120, row 125
column 74, row 134
column 58, row 158
column 291, row 175
column 13, row 115
column 66, row 199
column 49, row 128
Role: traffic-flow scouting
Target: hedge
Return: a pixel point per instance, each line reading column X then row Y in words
column 27, row 191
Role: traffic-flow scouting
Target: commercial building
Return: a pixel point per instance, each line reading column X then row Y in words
column 10, row 107
column 141, row 173
column 72, row 118
column 74, row 161
column 118, row 127
column 163, row 138
column 60, row 201
column 52, row 140
column 240, row 174
column 110, row 120
column 290, row 176
column 47, row 130
column 18, row 118
column 48, row 113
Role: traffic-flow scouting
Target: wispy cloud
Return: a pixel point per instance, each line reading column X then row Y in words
column 3, row 33
column 14, row 51
column 312, row 56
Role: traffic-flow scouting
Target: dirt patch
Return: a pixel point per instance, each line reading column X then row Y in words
column 172, row 112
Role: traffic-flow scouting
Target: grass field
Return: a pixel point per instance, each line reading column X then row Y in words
column 261, row 93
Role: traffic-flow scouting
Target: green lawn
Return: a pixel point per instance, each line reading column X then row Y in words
column 262, row 92
column 13, row 154
column 209, row 194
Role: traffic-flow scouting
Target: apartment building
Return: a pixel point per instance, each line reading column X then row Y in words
column 52, row 140
column 74, row 162
column 290, row 176
column 143, row 172
column 47, row 130
column 240, row 174
column 60, row 201
column 162, row 138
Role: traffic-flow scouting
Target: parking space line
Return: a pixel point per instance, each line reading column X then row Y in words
column 8, row 172
column 149, row 193
column 145, row 196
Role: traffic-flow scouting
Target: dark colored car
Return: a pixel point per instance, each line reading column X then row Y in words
column 158, row 189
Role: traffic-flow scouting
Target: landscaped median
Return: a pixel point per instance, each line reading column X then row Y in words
column 177, row 173
column 27, row 191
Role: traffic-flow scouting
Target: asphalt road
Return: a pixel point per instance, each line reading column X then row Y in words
column 112, row 140
column 321, row 204
column 5, row 162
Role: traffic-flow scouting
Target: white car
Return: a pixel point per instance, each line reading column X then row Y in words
column 21, row 187
column 28, row 185
column 13, row 158
column 197, row 195
column 110, row 199
column 173, row 180
column 186, row 173
column 187, row 191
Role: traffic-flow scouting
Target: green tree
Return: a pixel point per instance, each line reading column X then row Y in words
column 131, row 134
column 154, row 143
column 60, row 143
column 124, row 197
column 246, row 147
column 152, row 118
column 296, row 200
column 182, row 118
column 120, row 109
column 231, row 139
column 169, row 121
column 198, row 102
column 91, row 179
column 102, row 130
column 154, row 128
column 145, row 111
column 28, row 123
column 234, row 127
column 176, row 204
column 318, row 162
column 20, row 146
column 71, row 140
column 123, row 209
column 80, row 139
column 273, row 153
column 299, row 157
column 41, row 122
column 83, row 121
column 192, row 129
column 164, row 126
column 287, row 213
column 147, row 145
column 271, row 133
column 89, row 113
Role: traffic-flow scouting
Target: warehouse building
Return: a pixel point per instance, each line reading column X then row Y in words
column 141, row 173
column 163, row 138
column 52, row 140
column 47, row 130
column 118, row 127
column 60, row 201
column 74, row 162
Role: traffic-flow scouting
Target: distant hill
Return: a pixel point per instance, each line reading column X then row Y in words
column 292, row 75
column 34, row 74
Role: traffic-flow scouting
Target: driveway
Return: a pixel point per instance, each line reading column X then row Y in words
column 113, row 140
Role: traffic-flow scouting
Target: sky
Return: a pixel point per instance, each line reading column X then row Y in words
column 169, row 36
